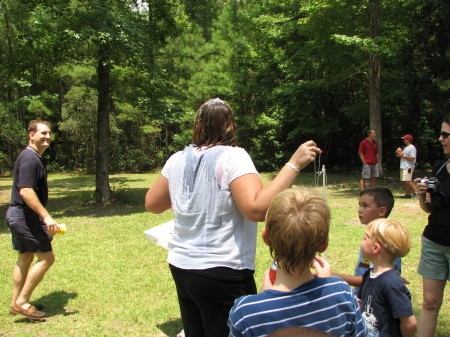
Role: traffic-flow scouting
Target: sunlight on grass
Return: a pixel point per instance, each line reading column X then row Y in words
column 109, row 281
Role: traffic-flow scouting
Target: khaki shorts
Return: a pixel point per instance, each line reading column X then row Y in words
column 434, row 261
column 406, row 174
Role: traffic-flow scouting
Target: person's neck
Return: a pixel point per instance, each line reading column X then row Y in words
column 370, row 139
column 380, row 265
column 288, row 282
column 35, row 148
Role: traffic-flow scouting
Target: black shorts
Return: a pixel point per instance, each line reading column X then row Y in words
column 29, row 233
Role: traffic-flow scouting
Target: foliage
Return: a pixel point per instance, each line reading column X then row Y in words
column 291, row 70
column 12, row 138
column 78, row 125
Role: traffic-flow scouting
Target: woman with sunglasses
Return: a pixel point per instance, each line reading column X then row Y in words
column 434, row 263
column 217, row 198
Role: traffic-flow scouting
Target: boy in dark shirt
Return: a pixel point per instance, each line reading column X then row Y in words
column 385, row 300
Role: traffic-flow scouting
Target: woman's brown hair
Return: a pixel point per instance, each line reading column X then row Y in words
column 214, row 125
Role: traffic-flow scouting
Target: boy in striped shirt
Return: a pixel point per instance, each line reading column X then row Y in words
column 297, row 226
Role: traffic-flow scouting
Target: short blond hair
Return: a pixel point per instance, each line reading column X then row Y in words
column 392, row 235
column 297, row 224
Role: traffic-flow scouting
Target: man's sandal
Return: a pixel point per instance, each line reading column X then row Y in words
column 37, row 305
column 31, row 312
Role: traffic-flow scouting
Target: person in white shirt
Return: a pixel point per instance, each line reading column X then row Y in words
column 217, row 198
column 407, row 157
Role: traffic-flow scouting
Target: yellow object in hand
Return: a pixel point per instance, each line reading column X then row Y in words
column 62, row 229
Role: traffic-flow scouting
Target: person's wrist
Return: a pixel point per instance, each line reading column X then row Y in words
column 293, row 167
column 48, row 219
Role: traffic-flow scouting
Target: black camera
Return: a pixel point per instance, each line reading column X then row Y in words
column 432, row 184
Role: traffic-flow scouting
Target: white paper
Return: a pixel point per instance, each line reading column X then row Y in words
column 161, row 235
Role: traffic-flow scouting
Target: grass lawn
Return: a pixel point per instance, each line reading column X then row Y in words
column 109, row 281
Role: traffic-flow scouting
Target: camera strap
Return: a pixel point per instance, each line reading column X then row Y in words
column 442, row 196
column 440, row 169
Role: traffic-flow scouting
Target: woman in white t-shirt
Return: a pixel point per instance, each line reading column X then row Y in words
column 217, row 198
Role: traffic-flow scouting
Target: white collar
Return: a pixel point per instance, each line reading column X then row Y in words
column 29, row 147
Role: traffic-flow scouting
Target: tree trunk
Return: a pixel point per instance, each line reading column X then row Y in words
column 374, row 75
column 102, row 188
column 9, row 58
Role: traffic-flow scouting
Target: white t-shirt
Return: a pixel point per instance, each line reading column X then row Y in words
column 209, row 229
column 409, row 151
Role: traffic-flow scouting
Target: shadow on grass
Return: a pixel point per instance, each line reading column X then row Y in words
column 76, row 203
column 5, row 192
column 127, row 201
column 3, row 227
column 73, row 195
column 171, row 328
column 54, row 304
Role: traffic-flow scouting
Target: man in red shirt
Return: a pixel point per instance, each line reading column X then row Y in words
column 368, row 152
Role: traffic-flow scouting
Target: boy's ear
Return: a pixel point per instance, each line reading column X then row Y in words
column 264, row 236
column 377, row 248
column 323, row 247
column 382, row 211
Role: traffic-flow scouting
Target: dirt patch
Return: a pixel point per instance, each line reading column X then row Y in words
column 409, row 208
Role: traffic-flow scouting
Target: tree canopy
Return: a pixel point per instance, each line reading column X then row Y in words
column 291, row 70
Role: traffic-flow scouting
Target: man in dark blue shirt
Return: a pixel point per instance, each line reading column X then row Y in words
column 30, row 223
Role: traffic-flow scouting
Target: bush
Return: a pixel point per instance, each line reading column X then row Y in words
column 5, row 163
column 134, row 160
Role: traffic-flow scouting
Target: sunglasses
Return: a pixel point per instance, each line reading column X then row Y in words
column 444, row 134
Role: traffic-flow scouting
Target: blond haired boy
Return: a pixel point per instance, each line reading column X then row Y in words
column 297, row 226
column 385, row 300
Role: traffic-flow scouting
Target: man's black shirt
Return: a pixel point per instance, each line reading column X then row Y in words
column 29, row 171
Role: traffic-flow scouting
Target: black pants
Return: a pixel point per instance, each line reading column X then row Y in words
column 206, row 297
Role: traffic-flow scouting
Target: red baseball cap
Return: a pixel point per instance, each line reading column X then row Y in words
column 409, row 137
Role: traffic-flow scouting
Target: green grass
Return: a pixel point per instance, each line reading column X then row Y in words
column 109, row 281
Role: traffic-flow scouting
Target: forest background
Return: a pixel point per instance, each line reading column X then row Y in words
column 134, row 72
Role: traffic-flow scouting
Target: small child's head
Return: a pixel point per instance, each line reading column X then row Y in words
column 390, row 234
column 375, row 202
column 297, row 225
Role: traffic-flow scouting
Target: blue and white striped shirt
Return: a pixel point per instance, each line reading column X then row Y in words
column 325, row 304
